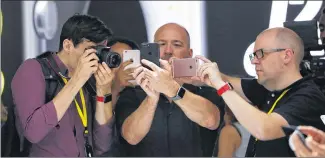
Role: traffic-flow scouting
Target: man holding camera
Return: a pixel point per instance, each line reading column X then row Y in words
column 168, row 118
column 55, row 112
column 282, row 95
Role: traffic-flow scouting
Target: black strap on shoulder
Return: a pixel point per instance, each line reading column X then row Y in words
column 50, row 71
column 52, row 82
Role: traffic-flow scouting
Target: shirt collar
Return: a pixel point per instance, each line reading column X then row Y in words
column 61, row 65
column 293, row 85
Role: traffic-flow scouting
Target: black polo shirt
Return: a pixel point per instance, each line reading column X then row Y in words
column 172, row 133
column 303, row 104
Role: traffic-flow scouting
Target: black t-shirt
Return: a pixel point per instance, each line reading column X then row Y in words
column 171, row 133
column 303, row 104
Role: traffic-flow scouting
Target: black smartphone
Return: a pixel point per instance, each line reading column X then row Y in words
column 288, row 130
column 150, row 52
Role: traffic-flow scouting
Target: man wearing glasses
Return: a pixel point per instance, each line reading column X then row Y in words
column 283, row 97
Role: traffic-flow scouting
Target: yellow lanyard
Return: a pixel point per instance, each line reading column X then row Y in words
column 275, row 103
column 83, row 113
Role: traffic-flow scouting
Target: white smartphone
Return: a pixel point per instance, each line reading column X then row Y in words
column 322, row 117
column 134, row 55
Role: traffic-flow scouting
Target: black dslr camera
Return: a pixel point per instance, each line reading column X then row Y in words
column 112, row 59
column 311, row 65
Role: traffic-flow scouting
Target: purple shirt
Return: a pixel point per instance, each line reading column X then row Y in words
column 37, row 120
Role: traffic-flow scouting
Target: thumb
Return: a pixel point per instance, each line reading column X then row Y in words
column 165, row 65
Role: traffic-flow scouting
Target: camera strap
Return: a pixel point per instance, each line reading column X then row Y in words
column 82, row 113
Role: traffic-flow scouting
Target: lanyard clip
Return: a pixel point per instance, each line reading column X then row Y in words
column 86, row 132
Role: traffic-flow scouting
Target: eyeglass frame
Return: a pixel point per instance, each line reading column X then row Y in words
column 262, row 50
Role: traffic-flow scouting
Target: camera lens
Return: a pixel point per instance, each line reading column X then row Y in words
column 112, row 59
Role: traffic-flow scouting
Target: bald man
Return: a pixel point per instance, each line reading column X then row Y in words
column 283, row 97
column 168, row 119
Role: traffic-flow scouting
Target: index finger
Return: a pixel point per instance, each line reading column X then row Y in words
column 153, row 66
column 203, row 59
column 172, row 59
column 312, row 131
column 89, row 51
column 309, row 130
column 106, row 67
column 126, row 63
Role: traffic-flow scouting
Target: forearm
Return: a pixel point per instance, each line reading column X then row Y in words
column 259, row 124
column 67, row 94
column 200, row 110
column 103, row 136
column 138, row 124
column 104, row 112
column 44, row 117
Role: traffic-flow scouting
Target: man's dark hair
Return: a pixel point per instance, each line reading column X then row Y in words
column 80, row 27
column 124, row 40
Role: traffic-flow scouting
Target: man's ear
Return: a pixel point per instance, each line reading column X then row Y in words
column 191, row 53
column 67, row 45
column 288, row 56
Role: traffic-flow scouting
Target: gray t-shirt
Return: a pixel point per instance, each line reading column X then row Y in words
column 245, row 135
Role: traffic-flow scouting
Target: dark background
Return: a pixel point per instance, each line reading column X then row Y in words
column 231, row 27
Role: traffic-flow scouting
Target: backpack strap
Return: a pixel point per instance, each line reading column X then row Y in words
column 52, row 83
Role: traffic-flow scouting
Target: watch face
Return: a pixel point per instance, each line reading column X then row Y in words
column 108, row 98
column 181, row 92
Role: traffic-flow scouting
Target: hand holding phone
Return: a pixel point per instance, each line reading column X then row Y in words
column 124, row 77
column 289, row 130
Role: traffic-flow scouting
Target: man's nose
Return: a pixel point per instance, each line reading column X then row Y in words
column 254, row 61
column 168, row 50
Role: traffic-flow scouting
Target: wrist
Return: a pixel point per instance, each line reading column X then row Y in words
column 219, row 84
column 153, row 100
column 75, row 83
column 104, row 99
column 103, row 91
column 173, row 90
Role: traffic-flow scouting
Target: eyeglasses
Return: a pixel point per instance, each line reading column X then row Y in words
column 260, row 53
